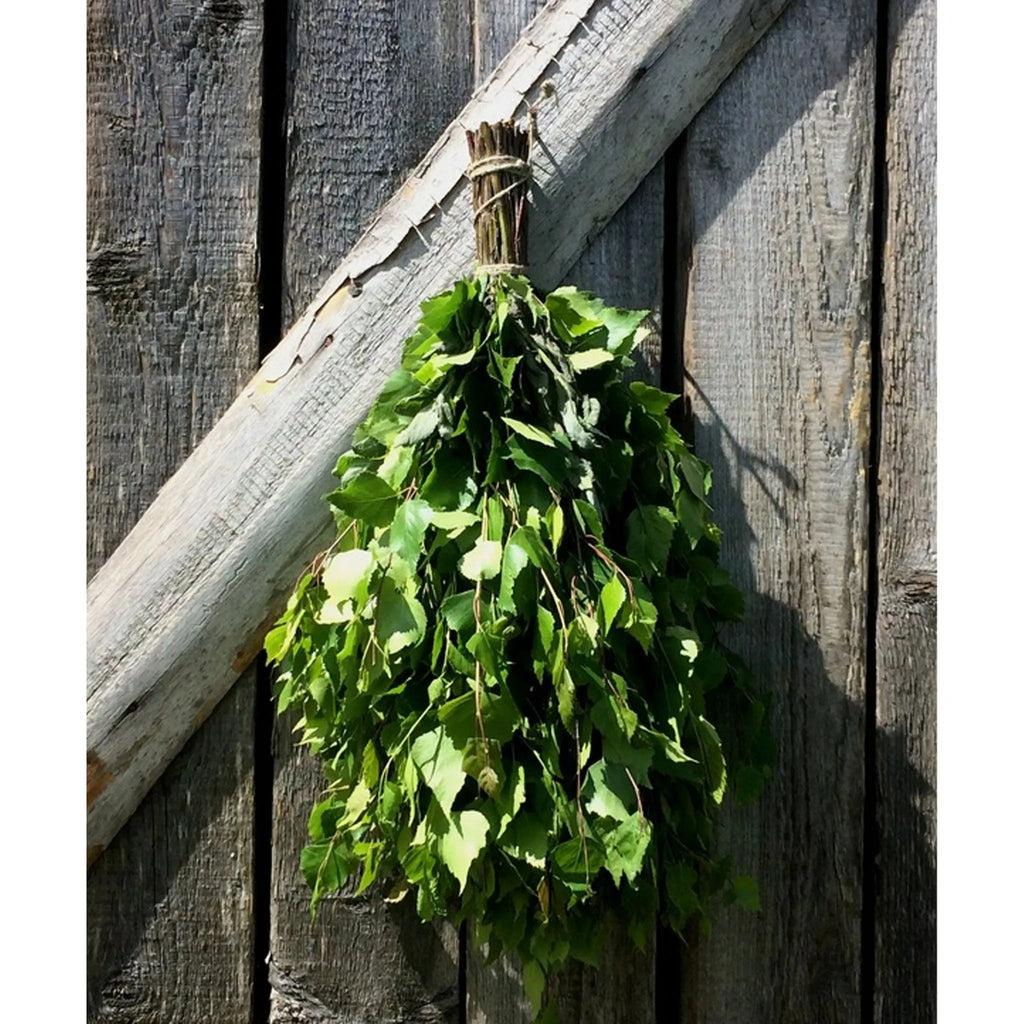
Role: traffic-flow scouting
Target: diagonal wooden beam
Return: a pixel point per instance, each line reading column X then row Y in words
column 181, row 608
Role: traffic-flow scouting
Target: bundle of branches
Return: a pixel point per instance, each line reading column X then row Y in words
column 509, row 658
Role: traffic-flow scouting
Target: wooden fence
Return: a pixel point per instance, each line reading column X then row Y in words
column 786, row 246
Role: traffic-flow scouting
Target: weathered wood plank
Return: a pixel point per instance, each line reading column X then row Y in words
column 370, row 91
column 624, row 266
column 173, row 149
column 905, row 967
column 170, row 902
column 173, row 143
column 182, row 605
column 497, row 24
column 777, row 179
column 369, row 95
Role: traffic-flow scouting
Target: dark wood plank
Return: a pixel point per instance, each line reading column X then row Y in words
column 497, row 24
column 905, row 966
column 369, row 94
column 170, row 901
column 623, row 265
column 775, row 186
column 371, row 88
column 173, row 146
column 173, row 155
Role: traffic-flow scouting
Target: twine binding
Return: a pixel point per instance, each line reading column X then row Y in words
column 503, row 268
column 520, row 171
column 493, row 164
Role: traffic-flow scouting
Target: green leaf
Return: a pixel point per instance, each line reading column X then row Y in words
column 462, row 843
column 643, row 620
column 401, row 620
column 608, row 792
column 565, row 687
column 696, row 473
column 458, row 611
column 346, row 575
column 711, row 755
column 589, row 518
column 275, row 642
column 649, row 532
column 690, row 513
column 613, row 717
column 530, row 433
column 685, row 642
column 499, row 712
column 550, row 466
column 625, row 848
column 515, row 558
column 744, row 892
column 453, row 523
column 325, row 867
column 589, row 358
column 486, row 649
column 421, row 426
column 534, row 982
column 482, row 561
column 440, row 766
column 545, row 629
column 396, row 467
column 654, row 400
column 582, row 312
column 671, row 756
column 526, row 839
column 450, row 483
column 409, row 528
column 528, row 538
column 555, row 519
column 680, row 882
column 611, row 600
column 505, row 367
column 577, row 861
column 367, row 497
column 480, row 754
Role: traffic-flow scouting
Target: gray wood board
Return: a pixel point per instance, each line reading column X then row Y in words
column 170, row 902
column 173, row 144
column 775, row 189
column 173, row 159
column 368, row 96
column 623, row 265
column 905, row 966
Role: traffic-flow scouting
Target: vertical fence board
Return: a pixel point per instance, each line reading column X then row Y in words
column 170, row 901
column 370, row 89
column 905, row 911
column 173, row 147
column 775, row 185
column 173, row 151
column 623, row 265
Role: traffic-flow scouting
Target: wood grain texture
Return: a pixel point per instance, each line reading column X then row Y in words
column 623, row 265
column 173, row 149
column 370, row 90
column 776, row 182
column 497, row 24
column 170, row 902
column 371, row 86
column 905, row 978
column 182, row 605
column 173, row 141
